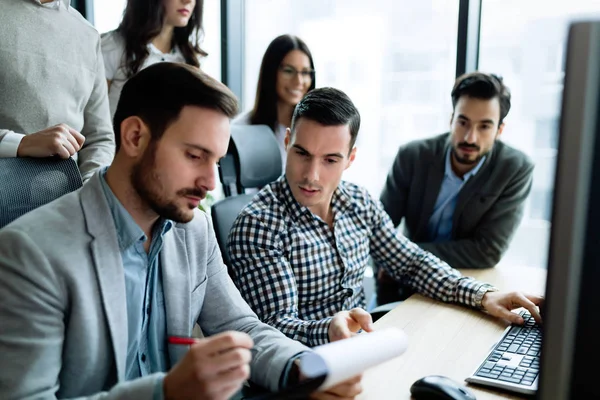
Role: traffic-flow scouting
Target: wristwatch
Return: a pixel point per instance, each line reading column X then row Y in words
column 480, row 293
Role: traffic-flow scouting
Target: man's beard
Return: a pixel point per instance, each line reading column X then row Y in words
column 464, row 160
column 148, row 184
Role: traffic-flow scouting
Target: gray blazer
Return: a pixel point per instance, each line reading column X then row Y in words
column 489, row 206
column 63, row 315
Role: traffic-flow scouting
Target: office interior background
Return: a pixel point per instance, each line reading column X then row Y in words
column 397, row 60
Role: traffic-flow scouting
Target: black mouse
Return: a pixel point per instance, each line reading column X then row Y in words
column 436, row 387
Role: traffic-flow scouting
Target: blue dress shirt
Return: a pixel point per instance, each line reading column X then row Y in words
column 440, row 223
column 146, row 316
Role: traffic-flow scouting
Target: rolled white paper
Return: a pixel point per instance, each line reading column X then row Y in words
column 344, row 359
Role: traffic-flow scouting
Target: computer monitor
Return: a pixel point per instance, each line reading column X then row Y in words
column 571, row 330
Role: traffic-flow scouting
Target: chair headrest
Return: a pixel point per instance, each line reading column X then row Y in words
column 27, row 183
column 256, row 150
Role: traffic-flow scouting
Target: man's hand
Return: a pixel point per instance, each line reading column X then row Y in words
column 345, row 323
column 214, row 368
column 60, row 140
column 346, row 390
column 501, row 304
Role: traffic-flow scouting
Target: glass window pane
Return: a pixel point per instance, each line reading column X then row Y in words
column 108, row 14
column 529, row 53
column 395, row 58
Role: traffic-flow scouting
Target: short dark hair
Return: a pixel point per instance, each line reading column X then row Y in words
column 480, row 85
column 265, row 104
column 328, row 107
column 157, row 95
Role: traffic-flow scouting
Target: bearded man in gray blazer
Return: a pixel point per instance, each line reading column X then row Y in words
column 93, row 284
column 461, row 194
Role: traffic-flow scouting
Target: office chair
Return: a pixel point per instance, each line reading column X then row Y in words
column 27, row 183
column 253, row 160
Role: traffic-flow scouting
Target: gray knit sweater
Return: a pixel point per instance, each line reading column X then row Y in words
column 51, row 72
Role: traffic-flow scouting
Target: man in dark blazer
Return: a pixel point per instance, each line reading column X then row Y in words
column 461, row 193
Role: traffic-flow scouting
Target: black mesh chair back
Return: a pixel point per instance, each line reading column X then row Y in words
column 223, row 215
column 27, row 183
column 253, row 160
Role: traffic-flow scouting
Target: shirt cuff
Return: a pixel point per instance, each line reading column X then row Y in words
column 158, row 389
column 10, row 144
column 319, row 332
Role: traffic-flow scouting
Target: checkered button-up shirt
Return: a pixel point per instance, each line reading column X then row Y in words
column 296, row 272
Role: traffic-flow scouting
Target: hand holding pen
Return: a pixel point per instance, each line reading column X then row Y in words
column 213, row 368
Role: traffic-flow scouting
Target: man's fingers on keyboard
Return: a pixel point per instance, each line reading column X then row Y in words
column 530, row 305
column 535, row 313
column 513, row 317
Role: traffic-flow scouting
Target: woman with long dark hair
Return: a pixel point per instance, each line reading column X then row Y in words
column 151, row 31
column 287, row 73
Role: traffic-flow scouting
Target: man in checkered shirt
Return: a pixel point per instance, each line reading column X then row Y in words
column 299, row 250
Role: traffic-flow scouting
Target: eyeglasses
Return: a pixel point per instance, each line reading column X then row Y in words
column 290, row 72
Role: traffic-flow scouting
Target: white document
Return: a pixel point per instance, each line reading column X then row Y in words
column 346, row 358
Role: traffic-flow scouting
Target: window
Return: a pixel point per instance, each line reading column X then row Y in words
column 529, row 53
column 395, row 59
column 108, row 15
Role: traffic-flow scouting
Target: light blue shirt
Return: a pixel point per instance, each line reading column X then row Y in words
column 440, row 222
column 146, row 315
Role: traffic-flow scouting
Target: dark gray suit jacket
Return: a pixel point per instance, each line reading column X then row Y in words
column 489, row 206
column 63, row 307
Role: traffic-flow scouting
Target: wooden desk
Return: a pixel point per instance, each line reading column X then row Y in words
column 446, row 339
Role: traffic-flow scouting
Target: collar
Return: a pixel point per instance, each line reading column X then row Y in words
column 450, row 173
column 152, row 49
column 55, row 3
column 128, row 231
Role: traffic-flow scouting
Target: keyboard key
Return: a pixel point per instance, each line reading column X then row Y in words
column 522, row 350
column 513, row 348
column 511, row 380
column 489, row 365
column 525, row 382
column 488, row 375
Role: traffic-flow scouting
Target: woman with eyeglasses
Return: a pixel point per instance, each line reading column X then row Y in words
column 287, row 73
column 151, row 31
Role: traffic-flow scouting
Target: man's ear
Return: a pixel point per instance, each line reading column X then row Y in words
column 351, row 157
column 135, row 136
column 500, row 129
column 288, row 138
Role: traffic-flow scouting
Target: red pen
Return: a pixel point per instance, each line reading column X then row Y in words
column 186, row 341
